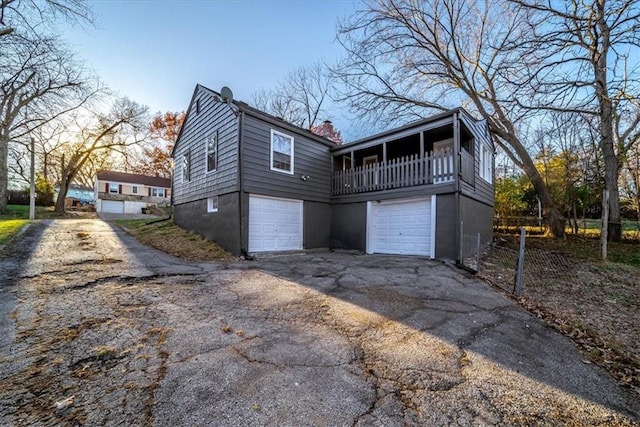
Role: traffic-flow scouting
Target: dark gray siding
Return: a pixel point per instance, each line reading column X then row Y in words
column 349, row 226
column 310, row 158
column 476, row 218
column 482, row 191
column 214, row 116
column 317, row 225
column 223, row 227
column 446, row 227
column 397, row 193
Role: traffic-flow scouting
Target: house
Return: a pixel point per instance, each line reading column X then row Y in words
column 255, row 183
column 422, row 189
column 77, row 195
column 119, row 192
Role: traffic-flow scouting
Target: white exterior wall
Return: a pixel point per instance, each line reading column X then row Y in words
column 134, row 207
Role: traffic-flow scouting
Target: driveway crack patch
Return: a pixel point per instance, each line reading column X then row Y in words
column 122, row 280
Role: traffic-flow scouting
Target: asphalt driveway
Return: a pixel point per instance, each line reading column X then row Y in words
column 131, row 336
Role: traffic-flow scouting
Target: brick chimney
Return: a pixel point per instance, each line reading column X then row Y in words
column 327, row 129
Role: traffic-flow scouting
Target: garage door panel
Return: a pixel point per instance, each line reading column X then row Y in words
column 274, row 224
column 401, row 227
column 113, row 206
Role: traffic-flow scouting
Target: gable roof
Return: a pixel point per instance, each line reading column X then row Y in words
column 241, row 106
column 132, row 178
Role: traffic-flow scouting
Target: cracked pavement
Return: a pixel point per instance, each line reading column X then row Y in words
column 138, row 337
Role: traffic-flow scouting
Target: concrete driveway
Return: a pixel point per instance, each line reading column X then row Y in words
column 131, row 336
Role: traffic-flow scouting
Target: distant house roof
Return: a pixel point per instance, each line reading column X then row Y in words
column 132, row 178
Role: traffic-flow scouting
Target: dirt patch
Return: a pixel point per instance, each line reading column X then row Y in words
column 595, row 303
column 168, row 237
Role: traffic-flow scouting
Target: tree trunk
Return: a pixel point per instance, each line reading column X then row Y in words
column 606, row 112
column 4, row 173
column 611, row 164
column 550, row 211
column 64, row 188
column 66, row 178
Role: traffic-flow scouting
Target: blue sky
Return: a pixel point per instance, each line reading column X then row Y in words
column 155, row 52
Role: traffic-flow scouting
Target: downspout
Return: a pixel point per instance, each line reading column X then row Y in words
column 243, row 250
column 171, row 200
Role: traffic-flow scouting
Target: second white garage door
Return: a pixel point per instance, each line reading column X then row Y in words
column 274, row 224
column 113, row 206
column 402, row 227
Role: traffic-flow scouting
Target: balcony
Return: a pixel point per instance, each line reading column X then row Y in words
column 407, row 171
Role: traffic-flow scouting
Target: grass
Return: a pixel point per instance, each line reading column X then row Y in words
column 10, row 227
column 17, row 216
column 168, row 237
column 586, row 228
column 22, row 212
column 584, row 247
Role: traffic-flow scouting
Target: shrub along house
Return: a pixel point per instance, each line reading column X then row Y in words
column 255, row 183
column 119, row 192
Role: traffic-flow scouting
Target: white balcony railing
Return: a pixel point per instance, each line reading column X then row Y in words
column 401, row 172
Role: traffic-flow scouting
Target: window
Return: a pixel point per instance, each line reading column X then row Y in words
column 186, row 166
column 212, row 204
column 114, row 188
column 370, row 160
column 212, row 152
column 486, row 163
column 157, row 192
column 281, row 152
column 134, row 189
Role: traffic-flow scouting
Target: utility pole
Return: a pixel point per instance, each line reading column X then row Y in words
column 32, row 192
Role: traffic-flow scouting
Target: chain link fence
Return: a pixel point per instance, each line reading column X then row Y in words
column 498, row 263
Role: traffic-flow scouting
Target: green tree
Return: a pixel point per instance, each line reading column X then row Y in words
column 510, row 197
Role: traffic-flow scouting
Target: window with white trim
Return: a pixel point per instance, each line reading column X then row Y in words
column 486, row 163
column 281, row 152
column 157, row 192
column 186, row 166
column 212, row 204
column 114, row 188
column 212, row 152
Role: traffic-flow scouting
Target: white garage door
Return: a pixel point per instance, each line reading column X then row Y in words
column 113, row 206
column 274, row 224
column 402, row 227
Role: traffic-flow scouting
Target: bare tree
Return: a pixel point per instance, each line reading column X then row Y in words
column 39, row 82
column 125, row 125
column 37, row 73
column 300, row 98
column 630, row 179
column 408, row 57
column 592, row 69
column 27, row 16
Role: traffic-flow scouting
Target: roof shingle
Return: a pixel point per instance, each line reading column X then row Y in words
column 132, row 178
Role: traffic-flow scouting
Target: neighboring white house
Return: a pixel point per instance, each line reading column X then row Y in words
column 119, row 192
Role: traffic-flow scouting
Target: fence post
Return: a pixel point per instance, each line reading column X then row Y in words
column 478, row 256
column 520, row 269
